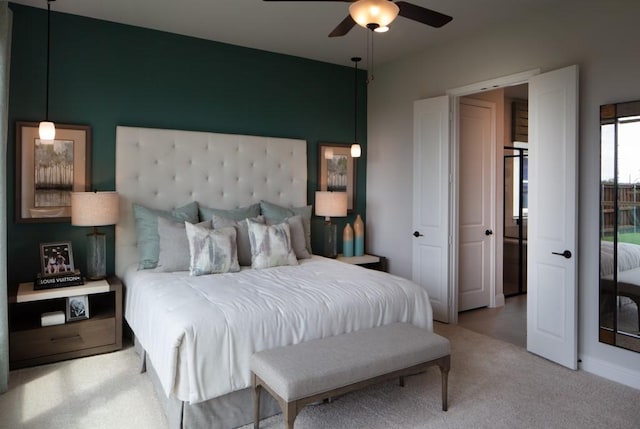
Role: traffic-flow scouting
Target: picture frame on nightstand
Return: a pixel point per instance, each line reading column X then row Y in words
column 56, row 258
column 77, row 308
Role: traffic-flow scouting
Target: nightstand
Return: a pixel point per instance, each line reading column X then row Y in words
column 373, row 262
column 33, row 344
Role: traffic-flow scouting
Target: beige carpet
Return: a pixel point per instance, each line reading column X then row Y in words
column 492, row 384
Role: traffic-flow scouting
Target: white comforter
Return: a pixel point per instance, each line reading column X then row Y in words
column 199, row 332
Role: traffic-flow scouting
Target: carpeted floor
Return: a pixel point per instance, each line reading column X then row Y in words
column 492, row 384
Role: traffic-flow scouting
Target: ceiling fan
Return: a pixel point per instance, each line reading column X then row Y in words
column 378, row 14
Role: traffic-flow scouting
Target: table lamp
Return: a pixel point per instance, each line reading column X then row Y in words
column 330, row 204
column 95, row 209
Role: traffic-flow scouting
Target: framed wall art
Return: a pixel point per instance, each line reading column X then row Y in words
column 337, row 170
column 47, row 172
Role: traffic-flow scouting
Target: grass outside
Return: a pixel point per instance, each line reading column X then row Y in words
column 625, row 237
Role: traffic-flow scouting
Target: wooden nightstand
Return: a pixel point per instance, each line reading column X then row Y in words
column 32, row 344
column 373, row 262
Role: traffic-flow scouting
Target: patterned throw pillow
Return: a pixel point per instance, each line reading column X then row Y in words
column 276, row 214
column 270, row 245
column 212, row 250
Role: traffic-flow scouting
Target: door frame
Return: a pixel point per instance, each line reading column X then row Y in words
column 455, row 94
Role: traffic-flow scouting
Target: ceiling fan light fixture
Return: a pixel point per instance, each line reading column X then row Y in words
column 381, row 29
column 373, row 13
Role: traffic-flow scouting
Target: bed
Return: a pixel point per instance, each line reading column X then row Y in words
column 196, row 333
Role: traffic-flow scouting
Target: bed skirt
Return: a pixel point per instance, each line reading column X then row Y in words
column 232, row 410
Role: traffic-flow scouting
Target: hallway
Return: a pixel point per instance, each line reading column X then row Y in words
column 508, row 323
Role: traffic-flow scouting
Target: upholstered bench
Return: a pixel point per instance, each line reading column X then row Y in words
column 303, row 373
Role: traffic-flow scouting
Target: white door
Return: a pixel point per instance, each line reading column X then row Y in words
column 552, row 244
column 476, row 202
column 431, row 175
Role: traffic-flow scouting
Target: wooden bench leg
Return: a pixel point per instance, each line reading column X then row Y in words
column 445, row 365
column 290, row 413
column 256, row 402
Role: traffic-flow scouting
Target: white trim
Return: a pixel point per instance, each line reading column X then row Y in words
column 615, row 373
column 491, row 84
column 455, row 94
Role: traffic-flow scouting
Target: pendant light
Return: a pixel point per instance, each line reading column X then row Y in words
column 47, row 129
column 356, row 150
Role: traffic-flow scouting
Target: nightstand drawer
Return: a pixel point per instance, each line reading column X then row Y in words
column 51, row 340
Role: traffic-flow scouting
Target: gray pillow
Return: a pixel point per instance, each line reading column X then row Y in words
column 147, row 230
column 174, row 245
column 242, row 238
column 211, row 251
column 270, row 245
column 240, row 213
column 276, row 214
column 298, row 237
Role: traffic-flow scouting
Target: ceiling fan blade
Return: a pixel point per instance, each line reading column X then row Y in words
column 344, row 27
column 423, row 15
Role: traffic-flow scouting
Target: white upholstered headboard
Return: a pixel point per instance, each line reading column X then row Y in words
column 165, row 169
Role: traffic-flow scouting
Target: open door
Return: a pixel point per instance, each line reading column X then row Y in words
column 431, row 173
column 553, row 222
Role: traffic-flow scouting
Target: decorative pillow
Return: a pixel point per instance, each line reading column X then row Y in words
column 147, row 230
column 211, row 250
column 174, row 245
column 241, row 213
column 270, row 245
column 242, row 238
column 298, row 237
column 276, row 214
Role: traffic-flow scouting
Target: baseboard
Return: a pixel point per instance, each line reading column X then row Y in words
column 498, row 300
column 611, row 372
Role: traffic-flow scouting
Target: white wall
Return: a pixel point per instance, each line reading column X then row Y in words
column 597, row 35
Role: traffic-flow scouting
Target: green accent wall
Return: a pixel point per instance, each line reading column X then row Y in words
column 105, row 74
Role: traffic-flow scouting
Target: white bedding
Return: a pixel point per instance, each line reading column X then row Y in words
column 628, row 257
column 199, row 332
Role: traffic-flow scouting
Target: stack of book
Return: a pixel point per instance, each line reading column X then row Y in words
column 58, row 280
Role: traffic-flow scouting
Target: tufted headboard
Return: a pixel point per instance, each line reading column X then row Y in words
column 165, row 169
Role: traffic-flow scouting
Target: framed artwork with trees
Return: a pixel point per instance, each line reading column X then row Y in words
column 48, row 171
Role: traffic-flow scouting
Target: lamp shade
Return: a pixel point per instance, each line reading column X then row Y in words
column 47, row 131
column 331, row 204
column 94, row 208
column 380, row 13
column 356, row 150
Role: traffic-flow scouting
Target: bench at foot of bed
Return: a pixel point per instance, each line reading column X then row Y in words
column 300, row 374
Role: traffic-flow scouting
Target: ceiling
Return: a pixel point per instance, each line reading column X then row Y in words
column 298, row 28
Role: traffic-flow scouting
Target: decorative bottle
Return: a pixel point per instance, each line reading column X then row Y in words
column 358, row 232
column 347, row 241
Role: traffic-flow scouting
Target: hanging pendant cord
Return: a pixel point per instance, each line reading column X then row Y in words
column 46, row 116
column 355, row 100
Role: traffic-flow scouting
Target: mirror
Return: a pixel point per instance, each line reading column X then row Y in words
column 620, row 225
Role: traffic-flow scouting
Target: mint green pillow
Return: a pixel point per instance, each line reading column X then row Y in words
column 241, row 213
column 276, row 214
column 147, row 230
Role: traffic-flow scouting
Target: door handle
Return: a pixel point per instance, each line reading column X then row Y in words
column 566, row 254
column 417, row 234
column 488, row 232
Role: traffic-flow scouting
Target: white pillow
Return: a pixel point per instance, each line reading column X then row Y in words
column 270, row 245
column 298, row 236
column 212, row 250
column 173, row 254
